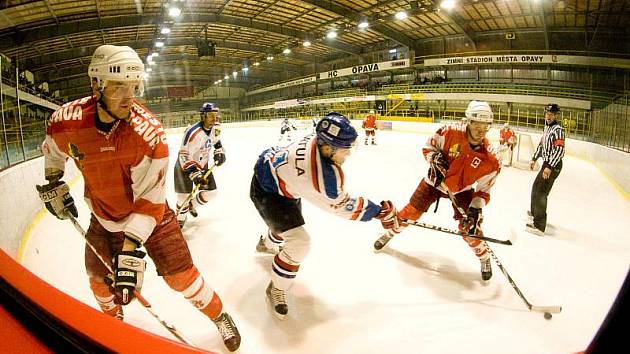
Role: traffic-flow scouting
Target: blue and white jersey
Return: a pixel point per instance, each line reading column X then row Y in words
column 197, row 145
column 299, row 171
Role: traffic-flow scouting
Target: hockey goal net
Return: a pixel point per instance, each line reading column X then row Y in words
column 523, row 152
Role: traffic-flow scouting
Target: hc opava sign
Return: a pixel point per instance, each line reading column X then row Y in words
column 364, row 69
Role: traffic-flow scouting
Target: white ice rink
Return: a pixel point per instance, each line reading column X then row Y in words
column 422, row 294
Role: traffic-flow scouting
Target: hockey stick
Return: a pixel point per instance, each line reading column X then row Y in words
column 550, row 309
column 192, row 193
column 138, row 296
column 460, row 233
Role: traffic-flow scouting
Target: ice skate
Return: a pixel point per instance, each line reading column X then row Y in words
column 262, row 248
column 228, row 331
column 529, row 227
column 486, row 269
column 383, row 240
column 277, row 301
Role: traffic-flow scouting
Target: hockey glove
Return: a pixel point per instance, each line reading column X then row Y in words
column 437, row 167
column 56, row 196
column 472, row 223
column 198, row 177
column 128, row 274
column 389, row 217
column 219, row 156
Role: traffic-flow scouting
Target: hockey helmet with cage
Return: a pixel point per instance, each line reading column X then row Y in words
column 552, row 107
column 479, row 111
column 336, row 130
column 116, row 63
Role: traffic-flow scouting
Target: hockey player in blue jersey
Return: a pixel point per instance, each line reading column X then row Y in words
column 309, row 169
column 200, row 139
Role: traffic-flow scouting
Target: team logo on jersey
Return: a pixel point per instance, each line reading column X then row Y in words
column 76, row 154
column 454, row 151
column 475, row 162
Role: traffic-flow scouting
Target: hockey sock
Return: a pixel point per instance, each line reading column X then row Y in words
column 195, row 289
column 273, row 241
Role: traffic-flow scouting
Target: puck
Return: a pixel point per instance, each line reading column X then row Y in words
column 547, row 316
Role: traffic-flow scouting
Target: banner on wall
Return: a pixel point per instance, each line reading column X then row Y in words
column 180, row 91
column 528, row 59
column 297, row 82
column 364, row 69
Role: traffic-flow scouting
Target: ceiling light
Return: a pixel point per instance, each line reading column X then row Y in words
column 306, row 43
column 392, row 50
column 401, row 15
column 331, row 35
column 286, row 51
column 220, row 81
column 256, row 63
column 174, row 11
column 226, row 77
column 234, row 73
column 269, row 57
column 448, row 4
column 245, row 69
column 165, row 30
column 155, row 54
column 363, row 24
column 159, row 44
column 149, row 70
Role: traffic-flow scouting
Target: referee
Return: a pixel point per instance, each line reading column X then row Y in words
column 551, row 149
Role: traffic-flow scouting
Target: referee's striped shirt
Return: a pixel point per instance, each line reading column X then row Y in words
column 551, row 146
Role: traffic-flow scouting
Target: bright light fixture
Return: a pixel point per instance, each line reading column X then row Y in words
column 401, row 15
column 149, row 70
column 363, row 24
column 448, row 4
column 392, row 50
column 226, row 77
column 155, row 54
column 306, row 43
column 245, row 69
column 331, row 35
column 286, row 51
column 270, row 57
column 165, row 30
column 234, row 73
column 256, row 63
column 174, row 11
column 159, row 44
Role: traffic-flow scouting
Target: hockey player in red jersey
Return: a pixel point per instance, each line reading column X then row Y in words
column 507, row 139
column 369, row 125
column 120, row 148
column 200, row 139
column 461, row 158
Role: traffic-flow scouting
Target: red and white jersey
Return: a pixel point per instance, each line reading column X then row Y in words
column 466, row 167
column 369, row 123
column 124, row 170
column 507, row 135
column 197, row 145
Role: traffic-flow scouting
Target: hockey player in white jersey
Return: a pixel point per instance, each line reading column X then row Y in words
column 199, row 141
column 309, row 169
column 286, row 128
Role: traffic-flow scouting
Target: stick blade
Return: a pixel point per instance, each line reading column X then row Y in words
column 550, row 309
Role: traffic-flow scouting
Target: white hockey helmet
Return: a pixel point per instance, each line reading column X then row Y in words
column 479, row 111
column 119, row 63
column 506, row 125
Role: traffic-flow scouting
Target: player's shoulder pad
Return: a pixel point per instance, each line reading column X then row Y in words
column 146, row 125
column 71, row 113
